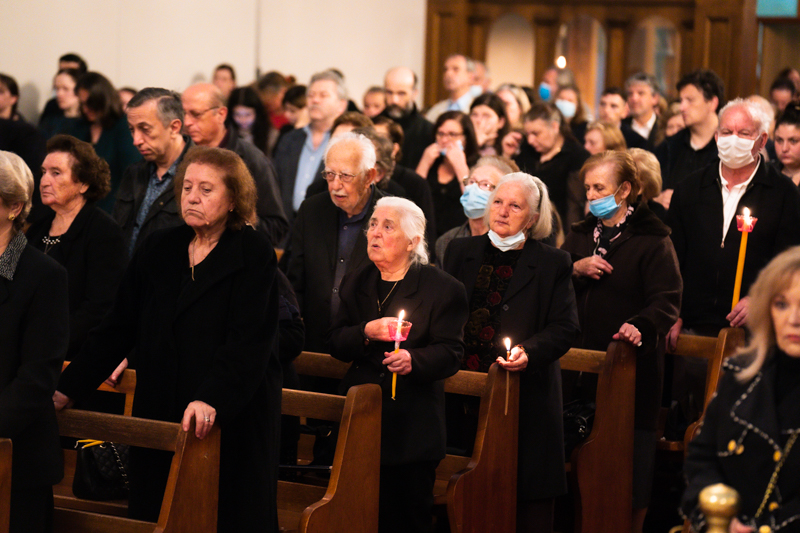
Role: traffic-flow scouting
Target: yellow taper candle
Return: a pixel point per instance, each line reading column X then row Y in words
column 508, row 357
column 397, row 349
column 745, row 224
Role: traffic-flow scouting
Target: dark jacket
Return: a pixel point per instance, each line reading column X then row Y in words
column 417, row 135
column 34, row 328
column 644, row 290
column 94, row 254
column 539, row 313
column 634, row 140
column 708, row 264
column 211, row 340
column 412, row 425
column 165, row 211
column 286, row 159
column 744, row 427
column 312, row 267
column 678, row 159
column 269, row 208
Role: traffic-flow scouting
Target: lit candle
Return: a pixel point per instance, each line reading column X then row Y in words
column 398, row 334
column 508, row 358
column 745, row 224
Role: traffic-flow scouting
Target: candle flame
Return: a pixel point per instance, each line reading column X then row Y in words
column 561, row 62
column 508, row 344
column 400, row 317
column 747, row 215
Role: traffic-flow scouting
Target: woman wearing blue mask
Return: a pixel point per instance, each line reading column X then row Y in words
column 521, row 288
column 482, row 179
column 628, row 285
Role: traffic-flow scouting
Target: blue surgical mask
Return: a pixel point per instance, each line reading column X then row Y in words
column 507, row 243
column 567, row 108
column 474, row 201
column 544, row 91
column 605, row 207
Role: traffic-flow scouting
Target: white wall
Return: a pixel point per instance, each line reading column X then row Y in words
column 174, row 43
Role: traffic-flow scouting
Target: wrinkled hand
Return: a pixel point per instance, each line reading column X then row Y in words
column 204, row 416
column 672, row 335
column 738, row 316
column 378, row 329
column 511, row 143
column 593, row 267
column 517, row 361
column 398, row 362
column 113, row 379
column 628, row 333
column 738, row 527
column 61, row 401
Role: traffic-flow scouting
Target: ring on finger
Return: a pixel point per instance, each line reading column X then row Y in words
column 207, row 419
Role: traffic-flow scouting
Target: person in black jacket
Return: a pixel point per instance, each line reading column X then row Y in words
column 400, row 86
column 199, row 308
column 34, row 331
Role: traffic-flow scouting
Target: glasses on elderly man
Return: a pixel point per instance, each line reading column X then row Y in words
column 329, row 175
column 484, row 185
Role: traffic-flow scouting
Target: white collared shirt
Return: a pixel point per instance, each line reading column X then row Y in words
column 645, row 130
column 731, row 197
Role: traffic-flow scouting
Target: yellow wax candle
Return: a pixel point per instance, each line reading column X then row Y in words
column 745, row 224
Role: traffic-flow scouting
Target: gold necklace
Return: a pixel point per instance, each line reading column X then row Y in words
column 380, row 304
column 191, row 256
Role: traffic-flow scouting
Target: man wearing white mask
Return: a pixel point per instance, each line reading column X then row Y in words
column 703, row 221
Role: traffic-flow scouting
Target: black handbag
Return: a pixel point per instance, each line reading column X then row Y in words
column 101, row 470
column 578, row 420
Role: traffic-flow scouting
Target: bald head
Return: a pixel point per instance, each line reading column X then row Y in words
column 205, row 114
column 400, row 86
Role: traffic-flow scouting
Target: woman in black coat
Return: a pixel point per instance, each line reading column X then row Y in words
column 34, row 331
column 199, row 308
column 412, row 424
column 521, row 289
column 749, row 431
column 77, row 234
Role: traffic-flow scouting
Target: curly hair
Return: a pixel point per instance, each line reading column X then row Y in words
column 87, row 166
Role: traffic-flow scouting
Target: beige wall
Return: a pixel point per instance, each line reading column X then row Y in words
column 173, row 43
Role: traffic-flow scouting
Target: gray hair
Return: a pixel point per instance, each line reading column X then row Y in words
column 644, row 78
column 16, row 185
column 537, row 198
column 469, row 61
column 412, row 224
column 760, row 117
column 365, row 148
column 169, row 105
column 498, row 162
column 329, row 75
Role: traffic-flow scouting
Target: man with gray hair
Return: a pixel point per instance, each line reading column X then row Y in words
column 328, row 237
column 459, row 71
column 640, row 127
column 146, row 197
column 298, row 156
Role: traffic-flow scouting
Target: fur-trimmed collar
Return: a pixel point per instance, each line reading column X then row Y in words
column 641, row 222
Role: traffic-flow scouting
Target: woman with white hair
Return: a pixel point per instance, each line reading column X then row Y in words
column 521, row 288
column 749, row 432
column 34, row 332
column 399, row 278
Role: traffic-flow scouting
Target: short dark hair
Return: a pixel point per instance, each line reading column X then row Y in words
column 707, row 82
column 168, row 108
column 74, row 58
column 789, row 116
column 548, row 113
column 296, row 96
column 13, row 88
column 229, row 68
column 271, row 82
column 87, row 167
column 73, row 73
column 236, row 177
column 353, row 118
column 103, row 98
column 615, row 90
column 783, row 84
column 395, row 133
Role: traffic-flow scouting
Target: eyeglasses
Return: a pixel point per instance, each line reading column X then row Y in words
column 197, row 114
column 448, row 134
column 329, row 175
column 482, row 185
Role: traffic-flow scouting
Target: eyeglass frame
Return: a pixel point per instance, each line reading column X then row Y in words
column 466, row 182
column 344, row 177
column 195, row 115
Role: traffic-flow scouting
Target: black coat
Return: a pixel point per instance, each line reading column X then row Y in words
column 286, row 159
column 312, row 268
column 742, row 431
column 211, row 340
column 34, row 331
column 679, row 159
column 93, row 252
column 417, row 135
column 708, row 264
column 538, row 312
column 634, row 140
column 412, row 425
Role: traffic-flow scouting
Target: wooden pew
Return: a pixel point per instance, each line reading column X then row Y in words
column 5, row 484
column 349, row 502
column 479, row 491
column 191, row 496
column 126, row 386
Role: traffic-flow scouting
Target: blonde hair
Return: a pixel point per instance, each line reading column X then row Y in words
column 16, row 185
column 778, row 276
column 649, row 172
column 612, row 135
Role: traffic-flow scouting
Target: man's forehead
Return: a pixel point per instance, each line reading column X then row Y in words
column 323, row 86
column 612, row 99
column 640, row 86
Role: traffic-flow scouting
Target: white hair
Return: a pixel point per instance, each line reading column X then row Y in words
column 412, row 224
column 365, row 147
column 16, row 185
column 760, row 117
column 538, row 200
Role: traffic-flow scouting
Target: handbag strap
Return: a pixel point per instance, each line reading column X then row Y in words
column 122, row 471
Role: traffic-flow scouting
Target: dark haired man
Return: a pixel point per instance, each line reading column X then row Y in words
column 613, row 106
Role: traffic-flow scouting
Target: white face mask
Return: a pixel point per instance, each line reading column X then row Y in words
column 507, row 243
column 734, row 151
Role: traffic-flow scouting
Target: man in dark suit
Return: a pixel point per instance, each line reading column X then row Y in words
column 400, row 87
column 299, row 155
column 205, row 114
column 327, row 238
column 640, row 128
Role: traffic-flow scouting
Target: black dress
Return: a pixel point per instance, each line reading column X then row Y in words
column 446, row 200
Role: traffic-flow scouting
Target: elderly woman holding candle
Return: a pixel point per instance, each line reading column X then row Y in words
column 398, row 279
column 749, row 432
column 521, row 288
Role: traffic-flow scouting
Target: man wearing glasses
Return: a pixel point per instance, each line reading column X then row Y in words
column 328, row 239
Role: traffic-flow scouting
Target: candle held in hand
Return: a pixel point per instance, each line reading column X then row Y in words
column 508, row 358
column 744, row 223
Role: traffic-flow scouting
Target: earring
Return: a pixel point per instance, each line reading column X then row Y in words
column 12, row 216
